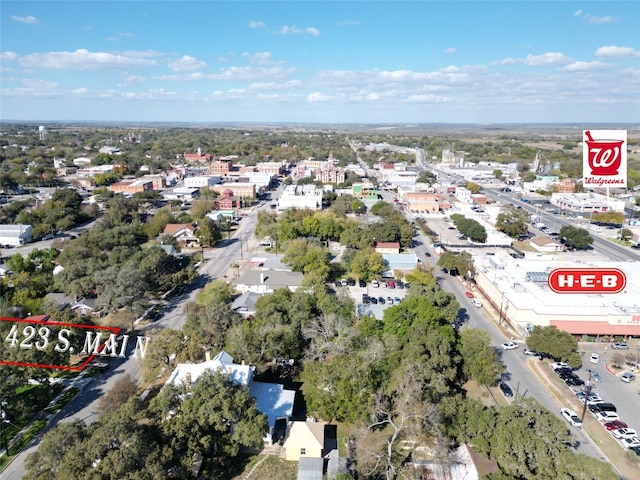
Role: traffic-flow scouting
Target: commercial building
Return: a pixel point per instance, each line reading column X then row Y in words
column 129, row 187
column 587, row 202
column 518, row 289
column 201, row 181
column 15, row 235
column 300, row 196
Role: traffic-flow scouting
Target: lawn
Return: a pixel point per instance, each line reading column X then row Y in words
column 270, row 467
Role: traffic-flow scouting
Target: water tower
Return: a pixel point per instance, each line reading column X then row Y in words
column 42, row 132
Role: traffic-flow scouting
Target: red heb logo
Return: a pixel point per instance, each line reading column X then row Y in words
column 587, row 280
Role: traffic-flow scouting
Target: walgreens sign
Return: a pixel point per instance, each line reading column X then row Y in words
column 604, row 158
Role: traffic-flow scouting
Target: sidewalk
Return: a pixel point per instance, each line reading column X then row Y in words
column 79, row 382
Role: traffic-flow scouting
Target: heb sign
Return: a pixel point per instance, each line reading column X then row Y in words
column 587, row 280
column 604, row 158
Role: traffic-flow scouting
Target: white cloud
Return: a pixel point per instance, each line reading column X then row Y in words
column 186, row 64
column 584, row 66
column 450, row 50
column 80, row 91
column 81, row 60
column 593, row 19
column 131, row 80
column 317, row 97
column 256, row 24
column 596, row 20
column 294, row 30
column 259, row 58
column 29, row 19
column 611, row 51
column 6, row 56
column 550, row 58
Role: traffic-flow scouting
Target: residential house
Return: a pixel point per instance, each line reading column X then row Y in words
column 546, row 245
column 267, row 281
column 388, row 247
column 15, row 235
column 271, row 398
column 311, row 444
column 184, row 233
column 60, row 300
column 245, row 304
column 85, row 306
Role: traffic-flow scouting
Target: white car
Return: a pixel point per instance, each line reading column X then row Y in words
column 607, row 416
column 558, row 365
column 571, row 417
column 624, row 433
column 594, row 400
column 509, row 346
column 630, row 442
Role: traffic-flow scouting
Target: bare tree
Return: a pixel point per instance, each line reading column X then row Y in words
column 328, row 334
column 400, row 423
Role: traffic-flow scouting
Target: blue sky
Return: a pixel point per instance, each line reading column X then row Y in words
column 329, row 62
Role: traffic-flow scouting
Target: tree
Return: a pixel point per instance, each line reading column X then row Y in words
column 626, row 234
column 497, row 173
column 124, row 388
column 208, row 233
column 43, row 464
column 512, row 221
column 576, row 237
column 473, row 187
column 426, row 176
column 479, row 358
column 457, row 263
column 367, row 264
column 215, row 419
column 552, row 341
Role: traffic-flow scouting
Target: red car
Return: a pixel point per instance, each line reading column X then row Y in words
column 468, row 294
column 615, row 425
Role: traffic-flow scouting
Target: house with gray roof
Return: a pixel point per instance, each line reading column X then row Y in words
column 268, row 281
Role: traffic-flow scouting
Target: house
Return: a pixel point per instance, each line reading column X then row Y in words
column 245, row 304
column 185, row 233
column 398, row 263
column 545, row 245
column 60, row 300
column 271, row 398
column 85, row 306
column 388, row 247
column 463, row 464
column 309, row 439
column 267, row 281
column 15, row 235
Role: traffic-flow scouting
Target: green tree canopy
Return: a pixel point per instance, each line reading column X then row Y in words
column 576, row 237
column 512, row 221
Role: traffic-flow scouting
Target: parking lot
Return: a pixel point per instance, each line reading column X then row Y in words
column 388, row 296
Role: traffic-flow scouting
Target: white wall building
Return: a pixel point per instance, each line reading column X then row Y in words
column 587, row 202
column 15, row 235
column 201, row 181
column 518, row 289
column 300, row 196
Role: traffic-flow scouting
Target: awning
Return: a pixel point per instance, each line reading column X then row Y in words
column 596, row 328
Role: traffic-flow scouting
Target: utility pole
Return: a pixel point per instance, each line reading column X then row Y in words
column 586, row 398
column 5, row 419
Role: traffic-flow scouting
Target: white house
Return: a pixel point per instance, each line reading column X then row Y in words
column 271, row 398
column 545, row 244
column 15, row 235
column 267, row 281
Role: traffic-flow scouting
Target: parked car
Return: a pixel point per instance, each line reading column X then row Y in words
column 526, row 351
column 390, row 300
column 615, row 425
column 603, row 407
column 468, row 294
column 476, row 303
column 571, row 417
column 375, row 283
column 391, row 284
column 620, row 346
column 628, row 377
column 373, row 300
column 506, row 389
column 594, row 358
column 558, row 365
column 397, row 300
column 630, row 442
column 509, row 346
column 624, row 433
column 381, row 300
column 607, row 416
column 351, row 282
column 362, row 283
